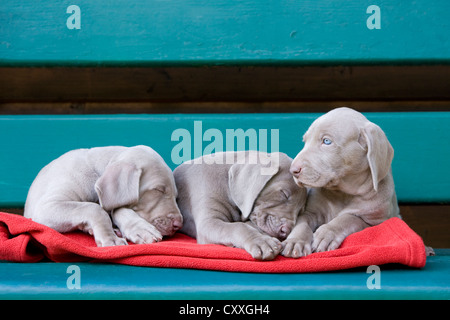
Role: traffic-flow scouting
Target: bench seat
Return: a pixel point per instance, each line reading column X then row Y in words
column 121, row 59
column 107, row 281
column 33, row 141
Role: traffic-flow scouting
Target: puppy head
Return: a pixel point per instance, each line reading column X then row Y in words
column 343, row 151
column 139, row 179
column 271, row 201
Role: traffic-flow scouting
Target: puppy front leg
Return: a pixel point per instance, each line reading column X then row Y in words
column 240, row 235
column 65, row 216
column 135, row 228
column 298, row 243
column 329, row 236
column 260, row 245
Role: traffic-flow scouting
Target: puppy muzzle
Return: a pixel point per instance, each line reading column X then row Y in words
column 168, row 225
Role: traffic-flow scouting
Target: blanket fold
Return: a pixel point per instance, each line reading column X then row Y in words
column 23, row 240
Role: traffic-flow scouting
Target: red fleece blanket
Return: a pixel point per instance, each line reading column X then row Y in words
column 22, row 240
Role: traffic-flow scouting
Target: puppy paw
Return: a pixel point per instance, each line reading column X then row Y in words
column 264, row 248
column 142, row 232
column 109, row 241
column 429, row 251
column 296, row 248
column 326, row 239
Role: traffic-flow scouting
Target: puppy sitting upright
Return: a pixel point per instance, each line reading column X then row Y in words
column 242, row 199
column 346, row 163
column 85, row 188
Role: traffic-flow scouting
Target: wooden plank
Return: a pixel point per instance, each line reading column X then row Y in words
column 28, row 143
column 112, row 281
column 431, row 222
column 247, row 83
column 11, row 108
column 222, row 32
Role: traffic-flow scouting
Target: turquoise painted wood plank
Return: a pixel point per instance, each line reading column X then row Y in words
column 28, row 143
column 223, row 32
column 99, row 281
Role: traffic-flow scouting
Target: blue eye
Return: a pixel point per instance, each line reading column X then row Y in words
column 326, row 141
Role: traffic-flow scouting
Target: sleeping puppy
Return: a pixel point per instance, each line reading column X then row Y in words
column 87, row 188
column 241, row 199
column 346, row 163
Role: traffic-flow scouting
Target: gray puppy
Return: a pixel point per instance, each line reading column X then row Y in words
column 242, row 199
column 87, row 188
column 346, row 164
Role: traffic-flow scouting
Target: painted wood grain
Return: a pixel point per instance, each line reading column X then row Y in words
column 28, row 143
column 223, row 32
column 246, row 83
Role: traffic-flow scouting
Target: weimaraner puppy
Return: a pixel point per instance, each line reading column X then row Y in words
column 87, row 188
column 242, row 203
column 346, row 165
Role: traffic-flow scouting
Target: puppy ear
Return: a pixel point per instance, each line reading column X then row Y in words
column 118, row 186
column 379, row 152
column 247, row 180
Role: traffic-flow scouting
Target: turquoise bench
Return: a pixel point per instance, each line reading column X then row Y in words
column 165, row 72
column 33, row 141
column 222, row 32
column 420, row 163
column 49, row 281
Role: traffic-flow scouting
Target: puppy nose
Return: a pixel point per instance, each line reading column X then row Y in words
column 284, row 231
column 177, row 224
column 295, row 170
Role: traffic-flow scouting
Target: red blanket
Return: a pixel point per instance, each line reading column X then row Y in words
column 22, row 240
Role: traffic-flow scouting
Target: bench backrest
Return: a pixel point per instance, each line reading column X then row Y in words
column 420, row 140
column 92, row 56
column 222, row 32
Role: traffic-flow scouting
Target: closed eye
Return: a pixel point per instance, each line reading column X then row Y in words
column 161, row 189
